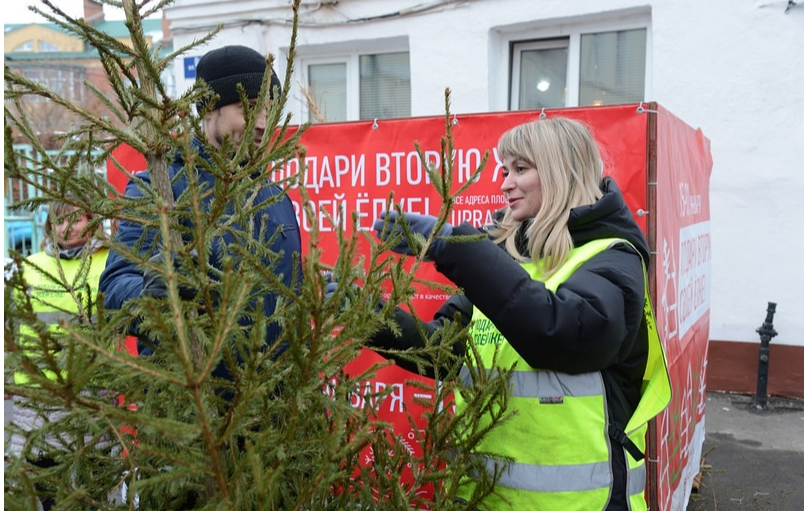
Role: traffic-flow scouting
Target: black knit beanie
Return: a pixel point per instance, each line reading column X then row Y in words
column 224, row 68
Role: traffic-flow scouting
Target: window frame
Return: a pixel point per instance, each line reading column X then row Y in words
column 352, row 85
column 517, row 50
column 349, row 53
column 570, row 28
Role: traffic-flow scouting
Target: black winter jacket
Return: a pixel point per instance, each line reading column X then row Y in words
column 593, row 322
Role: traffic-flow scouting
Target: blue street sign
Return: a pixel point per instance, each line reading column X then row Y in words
column 190, row 66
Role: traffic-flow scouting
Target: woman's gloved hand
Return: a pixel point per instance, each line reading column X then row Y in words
column 412, row 224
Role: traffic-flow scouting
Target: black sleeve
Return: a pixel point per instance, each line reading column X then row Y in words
column 586, row 325
column 456, row 307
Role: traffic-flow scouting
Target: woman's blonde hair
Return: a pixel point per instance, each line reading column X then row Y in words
column 570, row 168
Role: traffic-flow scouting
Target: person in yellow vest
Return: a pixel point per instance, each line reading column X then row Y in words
column 558, row 290
column 69, row 245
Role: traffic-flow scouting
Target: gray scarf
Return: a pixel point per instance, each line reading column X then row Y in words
column 90, row 247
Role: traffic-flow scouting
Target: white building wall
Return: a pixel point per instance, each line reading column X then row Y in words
column 733, row 69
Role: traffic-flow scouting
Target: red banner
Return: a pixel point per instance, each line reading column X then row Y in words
column 682, row 300
column 401, row 407
column 130, row 159
column 352, row 168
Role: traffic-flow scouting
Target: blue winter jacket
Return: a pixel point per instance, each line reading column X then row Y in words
column 122, row 280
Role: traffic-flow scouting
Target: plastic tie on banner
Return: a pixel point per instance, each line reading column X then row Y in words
column 641, row 109
column 543, row 115
column 374, row 124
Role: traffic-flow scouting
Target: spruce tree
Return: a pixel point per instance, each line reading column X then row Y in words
column 287, row 436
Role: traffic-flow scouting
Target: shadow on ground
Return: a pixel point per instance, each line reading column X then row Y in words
column 753, row 459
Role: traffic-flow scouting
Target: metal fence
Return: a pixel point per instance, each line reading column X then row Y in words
column 23, row 228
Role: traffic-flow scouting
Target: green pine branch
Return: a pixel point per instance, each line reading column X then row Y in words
column 291, row 429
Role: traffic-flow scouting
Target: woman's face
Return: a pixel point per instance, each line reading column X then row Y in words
column 71, row 231
column 521, row 187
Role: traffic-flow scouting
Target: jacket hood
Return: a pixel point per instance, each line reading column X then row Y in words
column 609, row 217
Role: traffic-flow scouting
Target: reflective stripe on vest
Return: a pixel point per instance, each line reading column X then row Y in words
column 51, row 301
column 545, row 384
column 559, row 437
column 562, row 478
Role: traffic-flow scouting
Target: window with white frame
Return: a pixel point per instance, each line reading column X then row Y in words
column 584, row 68
column 541, row 71
column 358, row 86
column 327, row 92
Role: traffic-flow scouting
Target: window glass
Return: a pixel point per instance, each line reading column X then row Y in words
column 327, row 101
column 46, row 46
column 612, row 67
column 590, row 65
column 385, row 86
column 543, row 77
column 26, row 46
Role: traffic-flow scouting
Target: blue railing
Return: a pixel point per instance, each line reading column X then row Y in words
column 22, row 228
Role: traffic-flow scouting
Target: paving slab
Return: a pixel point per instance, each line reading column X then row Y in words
column 753, row 459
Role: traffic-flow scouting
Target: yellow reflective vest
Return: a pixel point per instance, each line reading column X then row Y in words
column 559, row 437
column 50, row 299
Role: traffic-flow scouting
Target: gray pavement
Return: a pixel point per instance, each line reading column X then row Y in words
column 753, row 459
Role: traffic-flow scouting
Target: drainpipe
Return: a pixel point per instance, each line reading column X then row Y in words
column 766, row 332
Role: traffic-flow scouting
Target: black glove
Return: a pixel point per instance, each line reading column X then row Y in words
column 417, row 224
column 155, row 286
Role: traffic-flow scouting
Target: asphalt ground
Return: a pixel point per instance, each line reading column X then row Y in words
column 752, row 459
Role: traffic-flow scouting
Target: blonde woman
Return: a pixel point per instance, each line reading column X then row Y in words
column 557, row 291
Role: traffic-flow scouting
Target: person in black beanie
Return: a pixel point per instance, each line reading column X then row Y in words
column 221, row 70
